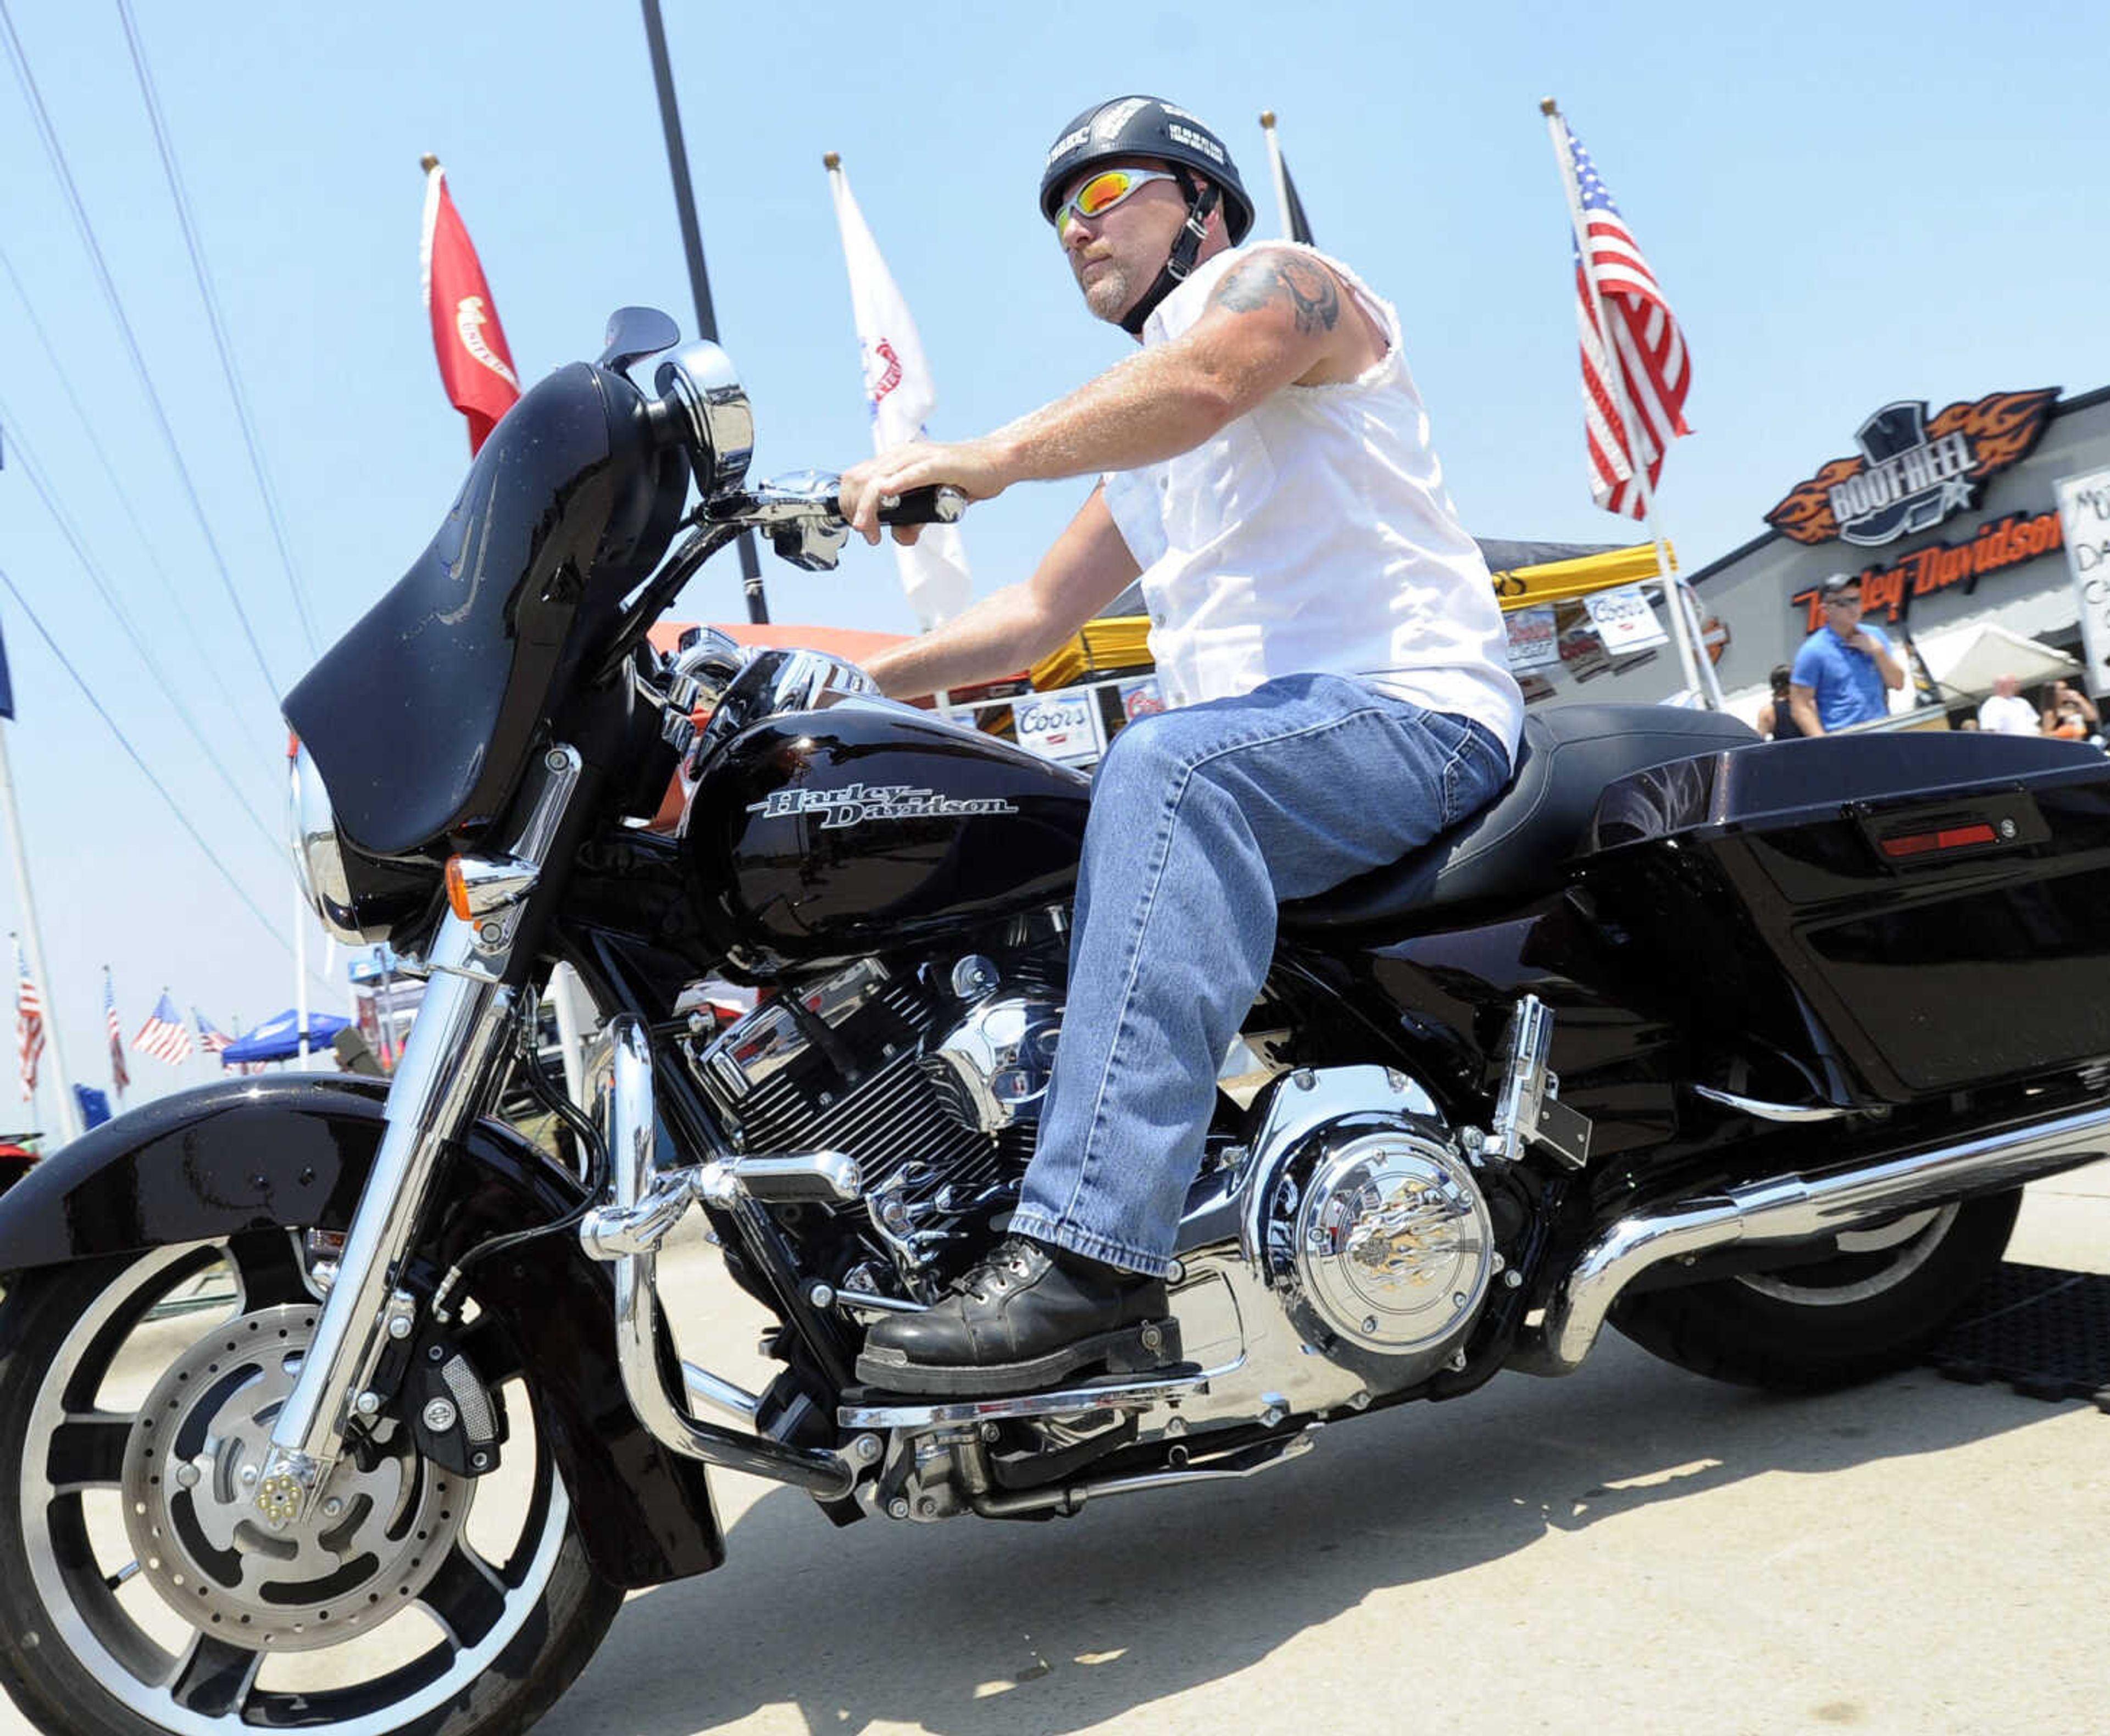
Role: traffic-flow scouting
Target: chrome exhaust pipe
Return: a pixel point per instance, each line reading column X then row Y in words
column 1792, row 1209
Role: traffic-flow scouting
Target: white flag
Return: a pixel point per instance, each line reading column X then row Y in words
column 897, row 382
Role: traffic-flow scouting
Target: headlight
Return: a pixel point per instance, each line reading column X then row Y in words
column 317, row 856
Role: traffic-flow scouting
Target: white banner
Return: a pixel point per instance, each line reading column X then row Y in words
column 1063, row 725
column 2084, row 515
column 1534, row 639
column 1624, row 620
column 898, row 386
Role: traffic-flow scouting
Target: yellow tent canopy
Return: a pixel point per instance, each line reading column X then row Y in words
column 1556, row 582
column 1122, row 642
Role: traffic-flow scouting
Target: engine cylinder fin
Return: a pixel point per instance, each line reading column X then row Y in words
column 865, row 1092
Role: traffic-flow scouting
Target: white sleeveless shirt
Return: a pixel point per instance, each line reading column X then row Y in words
column 1314, row 535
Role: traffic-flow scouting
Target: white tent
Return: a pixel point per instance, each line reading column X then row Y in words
column 1967, row 659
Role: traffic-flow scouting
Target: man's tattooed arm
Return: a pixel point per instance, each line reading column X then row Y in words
column 1304, row 286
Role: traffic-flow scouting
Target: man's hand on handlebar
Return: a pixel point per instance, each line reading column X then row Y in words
column 973, row 467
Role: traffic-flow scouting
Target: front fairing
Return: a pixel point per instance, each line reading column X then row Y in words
column 422, row 718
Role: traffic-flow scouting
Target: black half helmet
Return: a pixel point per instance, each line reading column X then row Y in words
column 1125, row 127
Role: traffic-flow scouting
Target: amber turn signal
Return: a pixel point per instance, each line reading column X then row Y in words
column 458, row 890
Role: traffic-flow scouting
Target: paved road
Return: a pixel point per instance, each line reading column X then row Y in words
column 1632, row 1550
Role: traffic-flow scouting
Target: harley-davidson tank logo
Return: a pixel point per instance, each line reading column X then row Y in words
column 1912, row 473
column 855, row 803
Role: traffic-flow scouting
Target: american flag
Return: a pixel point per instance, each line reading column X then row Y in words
column 165, row 1036
column 1649, row 349
column 119, row 1077
column 210, row 1037
column 29, row 1021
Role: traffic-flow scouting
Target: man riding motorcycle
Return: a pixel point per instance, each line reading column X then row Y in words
column 1330, row 645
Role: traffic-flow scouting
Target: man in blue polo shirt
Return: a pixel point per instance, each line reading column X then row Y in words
column 1844, row 671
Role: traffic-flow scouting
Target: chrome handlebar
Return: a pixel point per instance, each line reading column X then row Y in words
column 802, row 515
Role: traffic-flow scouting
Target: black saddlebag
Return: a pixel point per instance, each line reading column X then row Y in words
column 1909, row 913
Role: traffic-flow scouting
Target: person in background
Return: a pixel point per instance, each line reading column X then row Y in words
column 1777, row 715
column 2006, row 712
column 1846, row 670
column 2070, row 714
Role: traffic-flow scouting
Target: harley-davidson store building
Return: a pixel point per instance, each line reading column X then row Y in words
column 1980, row 533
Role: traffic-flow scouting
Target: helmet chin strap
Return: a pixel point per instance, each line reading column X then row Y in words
column 1202, row 198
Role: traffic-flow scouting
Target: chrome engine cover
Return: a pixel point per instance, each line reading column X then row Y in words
column 1366, row 1224
column 991, row 1070
column 1378, row 1231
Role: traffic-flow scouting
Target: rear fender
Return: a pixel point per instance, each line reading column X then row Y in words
column 294, row 1152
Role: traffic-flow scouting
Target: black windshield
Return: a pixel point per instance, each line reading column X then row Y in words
column 422, row 718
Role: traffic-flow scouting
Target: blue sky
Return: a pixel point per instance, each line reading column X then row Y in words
column 1845, row 205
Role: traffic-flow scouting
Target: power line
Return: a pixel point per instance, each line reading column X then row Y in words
column 34, row 471
column 235, row 386
column 56, row 153
column 132, row 753
column 209, row 665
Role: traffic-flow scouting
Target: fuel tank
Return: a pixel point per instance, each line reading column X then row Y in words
column 868, row 827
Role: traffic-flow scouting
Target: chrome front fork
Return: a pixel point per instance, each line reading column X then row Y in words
column 441, row 1083
column 626, row 1233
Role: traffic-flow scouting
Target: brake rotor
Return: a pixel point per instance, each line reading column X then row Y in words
column 377, row 1531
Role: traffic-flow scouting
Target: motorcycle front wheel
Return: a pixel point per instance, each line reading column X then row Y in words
column 140, row 1595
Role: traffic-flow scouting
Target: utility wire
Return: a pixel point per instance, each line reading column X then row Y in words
column 132, row 754
column 235, row 386
column 210, row 666
column 70, row 531
column 56, row 153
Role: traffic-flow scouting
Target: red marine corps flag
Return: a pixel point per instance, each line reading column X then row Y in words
column 475, row 365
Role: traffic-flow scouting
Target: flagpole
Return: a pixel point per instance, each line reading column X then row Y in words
column 1276, row 167
column 1699, row 673
column 68, row 1111
column 692, row 244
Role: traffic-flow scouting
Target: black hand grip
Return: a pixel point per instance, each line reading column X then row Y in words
column 936, row 505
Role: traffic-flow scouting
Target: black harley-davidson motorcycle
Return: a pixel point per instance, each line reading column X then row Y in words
column 336, row 1404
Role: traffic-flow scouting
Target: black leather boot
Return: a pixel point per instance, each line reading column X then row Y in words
column 1026, row 1317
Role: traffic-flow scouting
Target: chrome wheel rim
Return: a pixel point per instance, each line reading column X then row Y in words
column 146, row 1582
column 1869, row 1263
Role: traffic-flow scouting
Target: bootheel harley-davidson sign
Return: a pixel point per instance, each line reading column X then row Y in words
column 1913, row 471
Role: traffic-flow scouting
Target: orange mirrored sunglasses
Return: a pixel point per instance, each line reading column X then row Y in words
column 1102, row 192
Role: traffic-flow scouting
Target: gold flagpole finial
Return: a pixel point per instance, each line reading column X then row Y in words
column 1267, row 118
column 429, row 162
column 831, row 162
column 1548, row 106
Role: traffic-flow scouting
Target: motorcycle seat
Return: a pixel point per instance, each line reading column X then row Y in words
column 1512, row 850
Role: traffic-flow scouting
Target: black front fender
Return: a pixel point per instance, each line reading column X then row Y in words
column 294, row 1152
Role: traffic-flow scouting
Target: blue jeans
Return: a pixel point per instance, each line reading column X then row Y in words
column 1203, row 819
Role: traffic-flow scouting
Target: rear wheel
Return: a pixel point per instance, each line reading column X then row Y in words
column 1873, row 1308
column 139, row 1594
